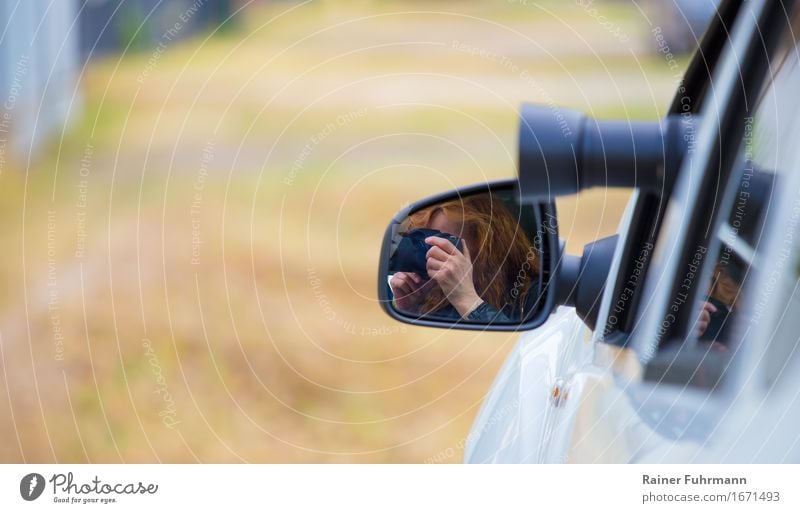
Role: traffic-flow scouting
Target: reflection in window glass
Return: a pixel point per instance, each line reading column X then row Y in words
column 769, row 150
column 769, row 154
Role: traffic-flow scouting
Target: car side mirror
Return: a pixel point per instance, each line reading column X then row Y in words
column 488, row 256
column 563, row 152
column 472, row 258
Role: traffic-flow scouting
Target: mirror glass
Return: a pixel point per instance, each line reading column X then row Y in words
column 470, row 258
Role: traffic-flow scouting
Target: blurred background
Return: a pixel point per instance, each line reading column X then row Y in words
column 194, row 192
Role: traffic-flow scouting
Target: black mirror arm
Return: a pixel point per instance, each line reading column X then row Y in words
column 580, row 281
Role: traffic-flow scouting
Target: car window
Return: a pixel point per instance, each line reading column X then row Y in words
column 724, row 274
column 620, row 310
column 772, row 313
column 781, row 289
column 769, row 151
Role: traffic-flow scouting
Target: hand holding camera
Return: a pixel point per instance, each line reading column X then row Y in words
column 452, row 271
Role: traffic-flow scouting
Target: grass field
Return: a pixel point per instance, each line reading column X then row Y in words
column 189, row 271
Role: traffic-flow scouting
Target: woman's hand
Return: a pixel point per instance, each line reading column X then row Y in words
column 452, row 270
column 705, row 318
column 409, row 289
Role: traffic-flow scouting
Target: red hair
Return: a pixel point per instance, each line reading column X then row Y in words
column 503, row 262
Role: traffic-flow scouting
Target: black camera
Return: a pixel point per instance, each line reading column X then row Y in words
column 409, row 256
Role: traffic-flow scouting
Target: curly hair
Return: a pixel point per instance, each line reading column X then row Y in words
column 504, row 262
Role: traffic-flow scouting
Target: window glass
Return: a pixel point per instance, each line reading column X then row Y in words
column 777, row 302
column 727, row 311
column 768, row 152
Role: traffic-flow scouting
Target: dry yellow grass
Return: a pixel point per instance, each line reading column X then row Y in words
column 269, row 346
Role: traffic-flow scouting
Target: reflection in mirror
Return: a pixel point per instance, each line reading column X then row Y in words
column 473, row 258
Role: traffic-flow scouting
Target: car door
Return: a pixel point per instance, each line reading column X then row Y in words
column 593, row 402
column 549, row 388
column 728, row 241
column 759, row 405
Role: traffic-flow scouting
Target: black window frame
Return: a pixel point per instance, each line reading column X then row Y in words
column 648, row 209
column 765, row 21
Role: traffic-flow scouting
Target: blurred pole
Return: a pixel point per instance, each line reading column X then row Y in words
column 38, row 73
column 44, row 43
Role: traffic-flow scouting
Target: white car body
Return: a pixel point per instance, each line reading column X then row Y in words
column 551, row 388
column 564, row 396
column 561, row 397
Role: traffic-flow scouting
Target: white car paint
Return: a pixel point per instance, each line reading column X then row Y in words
column 563, row 396
column 532, row 409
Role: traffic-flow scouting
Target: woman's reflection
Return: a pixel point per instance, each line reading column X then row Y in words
column 487, row 279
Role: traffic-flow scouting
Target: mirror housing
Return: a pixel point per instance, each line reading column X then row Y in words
column 563, row 152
